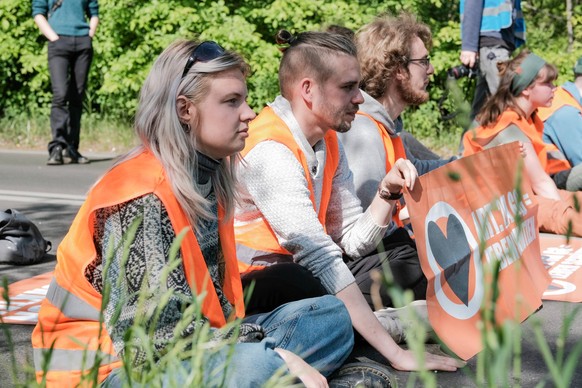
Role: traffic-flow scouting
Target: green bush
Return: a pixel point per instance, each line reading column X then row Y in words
column 132, row 33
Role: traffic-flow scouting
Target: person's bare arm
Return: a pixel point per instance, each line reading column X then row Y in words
column 93, row 23
column 45, row 27
column 366, row 323
column 542, row 184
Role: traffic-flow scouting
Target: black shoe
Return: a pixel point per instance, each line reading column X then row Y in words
column 73, row 156
column 362, row 373
column 56, row 156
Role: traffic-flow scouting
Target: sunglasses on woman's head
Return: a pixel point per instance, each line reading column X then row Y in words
column 204, row 52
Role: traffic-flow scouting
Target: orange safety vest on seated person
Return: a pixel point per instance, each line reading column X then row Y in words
column 561, row 98
column 476, row 140
column 68, row 329
column 394, row 150
column 257, row 234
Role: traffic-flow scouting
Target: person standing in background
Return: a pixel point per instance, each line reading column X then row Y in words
column 490, row 31
column 69, row 26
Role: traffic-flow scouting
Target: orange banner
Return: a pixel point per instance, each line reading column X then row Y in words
column 464, row 216
column 25, row 297
column 563, row 259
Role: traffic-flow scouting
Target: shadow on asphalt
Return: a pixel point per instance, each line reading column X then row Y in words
column 97, row 160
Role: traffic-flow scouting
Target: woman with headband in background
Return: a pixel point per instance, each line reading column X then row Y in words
column 510, row 115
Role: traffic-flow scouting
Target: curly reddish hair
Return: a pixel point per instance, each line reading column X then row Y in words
column 384, row 47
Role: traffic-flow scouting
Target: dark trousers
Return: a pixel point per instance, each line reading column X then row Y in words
column 286, row 282
column 278, row 284
column 69, row 60
column 396, row 253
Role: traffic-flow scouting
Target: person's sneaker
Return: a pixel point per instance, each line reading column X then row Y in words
column 362, row 373
column 398, row 321
column 73, row 156
column 55, row 156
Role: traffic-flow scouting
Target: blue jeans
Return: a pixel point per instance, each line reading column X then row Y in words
column 317, row 329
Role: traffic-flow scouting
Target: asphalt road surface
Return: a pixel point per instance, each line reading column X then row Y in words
column 51, row 195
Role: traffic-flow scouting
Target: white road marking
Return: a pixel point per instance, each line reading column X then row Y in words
column 41, row 197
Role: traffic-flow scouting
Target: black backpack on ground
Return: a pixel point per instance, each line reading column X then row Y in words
column 21, row 242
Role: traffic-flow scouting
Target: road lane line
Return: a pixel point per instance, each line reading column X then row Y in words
column 41, row 197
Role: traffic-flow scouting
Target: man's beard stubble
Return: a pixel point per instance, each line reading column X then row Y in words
column 409, row 95
column 343, row 127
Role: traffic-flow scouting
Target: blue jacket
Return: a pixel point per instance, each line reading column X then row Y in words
column 490, row 17
column 564, row 128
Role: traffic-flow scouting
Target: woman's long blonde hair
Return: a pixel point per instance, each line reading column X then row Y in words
column 160, row 130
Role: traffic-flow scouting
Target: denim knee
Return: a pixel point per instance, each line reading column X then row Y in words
column 323, row 335
column 335, row 335
column 317, row 329
column 331, row 307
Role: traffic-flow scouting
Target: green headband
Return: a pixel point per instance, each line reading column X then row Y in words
column 526, row 73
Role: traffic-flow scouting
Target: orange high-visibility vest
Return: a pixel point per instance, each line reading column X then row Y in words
column 561, row 98
column 69, row 324
column 394, row 150
column 476, row 140
column 257, row 234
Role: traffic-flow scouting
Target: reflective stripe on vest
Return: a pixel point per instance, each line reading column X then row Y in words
column 561, row 98
column 69, row 360
column 477, row 139
column 257, row 234
column 67, row 355
column 70, row 305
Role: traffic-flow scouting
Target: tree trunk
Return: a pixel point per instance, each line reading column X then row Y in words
column 569, row 25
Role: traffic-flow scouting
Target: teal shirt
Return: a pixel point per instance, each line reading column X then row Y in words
column 71, row 18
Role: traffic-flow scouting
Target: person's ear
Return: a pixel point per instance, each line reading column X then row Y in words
column 401, row 74
column 185, row 109
column 307, row 88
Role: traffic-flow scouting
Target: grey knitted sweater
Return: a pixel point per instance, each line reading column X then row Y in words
column 365, row 150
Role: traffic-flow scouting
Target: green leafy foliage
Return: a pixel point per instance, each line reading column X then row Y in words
column 133, row 32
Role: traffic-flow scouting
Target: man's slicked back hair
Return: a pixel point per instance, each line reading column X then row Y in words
column 310, row 54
